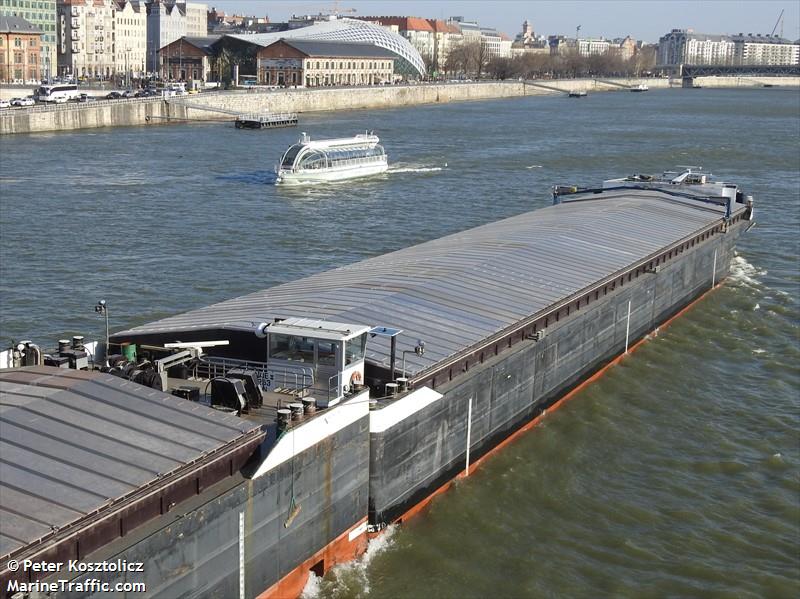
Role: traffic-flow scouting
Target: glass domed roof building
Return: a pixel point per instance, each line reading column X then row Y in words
column 350, row 30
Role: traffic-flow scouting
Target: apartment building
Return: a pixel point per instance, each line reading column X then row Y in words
column 446, row 37
column 42, row 15
column 593, row 47
column 196, row 19
column 20, row 50
column 684, row 46
column 166, row 22
column 130, row 38
column 85, row 31
column 767, row 50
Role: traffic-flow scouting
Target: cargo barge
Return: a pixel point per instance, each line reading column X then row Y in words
column 401, row 372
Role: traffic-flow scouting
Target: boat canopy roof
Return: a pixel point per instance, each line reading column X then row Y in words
column 363, row 139
column 455, row 292
column 305, row 152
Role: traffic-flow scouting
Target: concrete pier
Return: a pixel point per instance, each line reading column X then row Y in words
column 207, row 107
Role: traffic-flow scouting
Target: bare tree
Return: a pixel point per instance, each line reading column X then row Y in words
column 427, row 59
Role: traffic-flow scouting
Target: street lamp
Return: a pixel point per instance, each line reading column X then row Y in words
column 102, row 309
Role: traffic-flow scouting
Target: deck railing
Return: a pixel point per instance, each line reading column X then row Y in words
column 297, row 379
column 268, row 118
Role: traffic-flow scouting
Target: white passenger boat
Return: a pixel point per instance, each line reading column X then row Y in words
column 331, row 159
column 642, row 87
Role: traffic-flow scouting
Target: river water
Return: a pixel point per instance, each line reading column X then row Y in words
column 676, row 474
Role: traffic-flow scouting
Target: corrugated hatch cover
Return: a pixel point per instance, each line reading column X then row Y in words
column 455, row 291
column 71, row 442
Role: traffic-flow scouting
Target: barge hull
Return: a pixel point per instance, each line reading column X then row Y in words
column 198, row 554
column 418, row 456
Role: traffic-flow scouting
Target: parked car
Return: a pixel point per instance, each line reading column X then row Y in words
column 85, row 98
column 60, row 100
column 113, row 96
column 129, row 93
column 27, row 101
column 5, row 103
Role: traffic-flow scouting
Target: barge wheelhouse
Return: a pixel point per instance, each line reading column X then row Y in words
column 318, row 161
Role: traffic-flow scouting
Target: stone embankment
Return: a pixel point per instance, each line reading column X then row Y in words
column 220, row 105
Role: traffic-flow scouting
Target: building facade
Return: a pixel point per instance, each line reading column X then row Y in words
column 764, row 50
column 188, row 59
column 130, row 38
column 196, row 19
column 593, row 47
column 86, row 38
column 20, row 51
column 42, row 15
column 295, row 62
column 624, row 48
column 446, row 37
column 561, row 45
column 432, row 38
column 166, row 22
column 418, row 31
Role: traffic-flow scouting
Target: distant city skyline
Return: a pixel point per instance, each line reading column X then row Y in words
column 642, row 20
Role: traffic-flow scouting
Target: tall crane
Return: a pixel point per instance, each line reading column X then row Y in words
column 780, row 20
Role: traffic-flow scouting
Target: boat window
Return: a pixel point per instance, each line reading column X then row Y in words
column 312, row 160
column 279, row 346
column 291, row 154
column 289, row 347
column 326, row 353
column 354, row 349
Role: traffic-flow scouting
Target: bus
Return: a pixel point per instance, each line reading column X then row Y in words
column 60, row 92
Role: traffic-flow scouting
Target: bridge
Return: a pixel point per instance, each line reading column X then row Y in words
column 711, row 70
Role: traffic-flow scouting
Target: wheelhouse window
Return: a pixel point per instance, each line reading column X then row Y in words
column 289, row 347
column 291, row 154
column 326, row 353
column 354, row 349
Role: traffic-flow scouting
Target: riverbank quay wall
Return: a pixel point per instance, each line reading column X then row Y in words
column 221, row 106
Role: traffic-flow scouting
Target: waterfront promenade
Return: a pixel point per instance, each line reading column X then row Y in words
column 216, row 106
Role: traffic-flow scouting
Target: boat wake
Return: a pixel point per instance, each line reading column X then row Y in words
column 534, row 166
column 744, row 273
column 421, row 169
column 251, row 178
column 352, row 578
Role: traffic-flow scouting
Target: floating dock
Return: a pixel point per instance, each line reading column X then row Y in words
column 266, row 121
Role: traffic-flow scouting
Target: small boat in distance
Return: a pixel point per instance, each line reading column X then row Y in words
column 642, row 87
column 577, row 94
column 331, row 159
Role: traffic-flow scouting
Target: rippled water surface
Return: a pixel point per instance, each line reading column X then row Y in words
column 677, row 474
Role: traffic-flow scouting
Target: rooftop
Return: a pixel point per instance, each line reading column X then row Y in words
column 338, row 49
column 10, row 24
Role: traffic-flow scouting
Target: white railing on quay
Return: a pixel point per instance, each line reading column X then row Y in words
column 78, row 105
